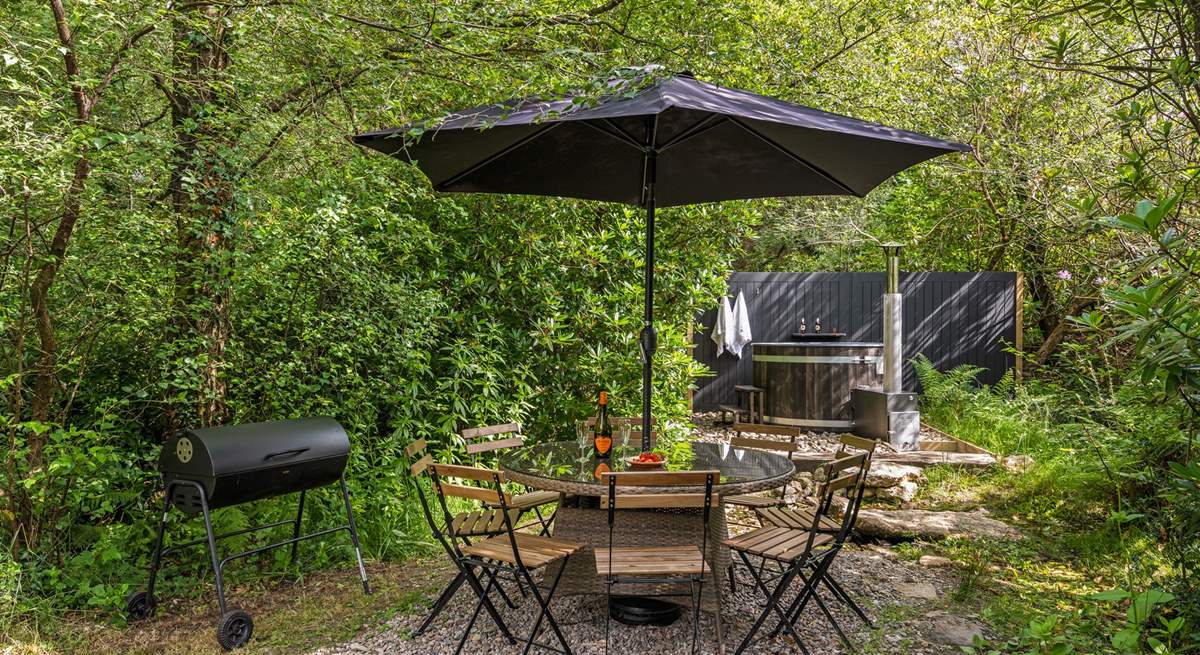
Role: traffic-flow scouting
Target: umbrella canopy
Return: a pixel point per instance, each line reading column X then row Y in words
column 677, row 141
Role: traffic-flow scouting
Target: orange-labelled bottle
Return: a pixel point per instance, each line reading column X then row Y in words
column 602, row 431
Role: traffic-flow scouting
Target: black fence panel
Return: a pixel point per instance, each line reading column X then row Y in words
column 951, row 318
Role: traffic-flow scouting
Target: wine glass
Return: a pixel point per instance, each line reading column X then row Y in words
column 623, row 432
column 581, row 433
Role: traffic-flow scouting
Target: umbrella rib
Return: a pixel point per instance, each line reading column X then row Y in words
column 796, row 158
column 457, row 177
column 622, row 137
column 699, row 128
column 620, row 130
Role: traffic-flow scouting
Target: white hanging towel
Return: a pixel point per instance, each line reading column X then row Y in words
column 739, row 331
column 720, row 333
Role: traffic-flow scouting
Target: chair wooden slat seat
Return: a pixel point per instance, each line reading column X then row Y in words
column 528, row 501
column 796, row 518
column 780, row 544
column 536, row 551
column 651, row 560
column 673, row 566
column 806, row 538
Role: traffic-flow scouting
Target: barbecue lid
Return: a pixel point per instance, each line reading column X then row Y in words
column 252, row 446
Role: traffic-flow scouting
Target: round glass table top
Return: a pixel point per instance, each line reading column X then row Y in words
column 570, row 467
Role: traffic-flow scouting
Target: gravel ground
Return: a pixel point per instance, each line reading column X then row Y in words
column 708, row 428
column 874, row 575
column 884, row 585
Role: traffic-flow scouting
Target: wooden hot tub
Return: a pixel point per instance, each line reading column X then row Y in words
column 808, row 383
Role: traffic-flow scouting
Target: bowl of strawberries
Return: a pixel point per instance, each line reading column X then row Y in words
column 646, row 461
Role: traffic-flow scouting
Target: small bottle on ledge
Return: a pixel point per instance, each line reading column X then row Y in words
column 803, row 327
column 817, row 327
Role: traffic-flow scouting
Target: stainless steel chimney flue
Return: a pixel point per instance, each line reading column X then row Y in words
column 890, row 414
column 893, row 323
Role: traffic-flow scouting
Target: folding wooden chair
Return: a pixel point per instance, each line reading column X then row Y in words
column 795, row 551
column 801, row 518
column 459, row 528
column 492, row 438
column 517, row 553
column 757, row 501
column 664, row 565
column 821, row 570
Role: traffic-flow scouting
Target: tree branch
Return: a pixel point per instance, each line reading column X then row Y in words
column 116, row 61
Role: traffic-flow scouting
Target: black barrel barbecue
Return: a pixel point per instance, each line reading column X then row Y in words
column 210, row 468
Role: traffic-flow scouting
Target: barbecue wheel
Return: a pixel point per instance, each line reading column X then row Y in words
column 234, row 629
column 139, row 606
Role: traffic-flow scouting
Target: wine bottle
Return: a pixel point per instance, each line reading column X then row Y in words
column 602, row 431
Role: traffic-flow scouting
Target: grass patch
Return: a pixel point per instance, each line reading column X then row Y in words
column 320, row 609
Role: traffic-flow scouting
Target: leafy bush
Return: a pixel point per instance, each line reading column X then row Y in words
column 365, row 297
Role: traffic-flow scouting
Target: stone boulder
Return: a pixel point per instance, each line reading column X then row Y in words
column 884, row 475
column 904, row 523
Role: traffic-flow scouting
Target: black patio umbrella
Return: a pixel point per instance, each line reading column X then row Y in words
column 676, row 141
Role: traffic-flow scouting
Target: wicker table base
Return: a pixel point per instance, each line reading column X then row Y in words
column 638, row 528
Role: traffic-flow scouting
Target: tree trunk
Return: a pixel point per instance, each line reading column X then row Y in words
column 201, row 196
column 1055, row 336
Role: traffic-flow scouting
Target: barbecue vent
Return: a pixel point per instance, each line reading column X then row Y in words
column 239, row 463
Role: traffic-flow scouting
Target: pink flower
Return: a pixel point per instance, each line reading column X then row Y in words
column 1064, row 274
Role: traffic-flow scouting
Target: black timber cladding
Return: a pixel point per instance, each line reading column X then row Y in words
column 951, row 318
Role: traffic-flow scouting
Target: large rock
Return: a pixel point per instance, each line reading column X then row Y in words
column 902, row 523
column 889, row 474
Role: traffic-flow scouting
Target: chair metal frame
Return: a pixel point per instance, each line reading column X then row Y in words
column 820, row 571
column 789, row 447
column 445, row 536
column 814, row 556
column 825, row 505
column 493, row 568
column 613, row 501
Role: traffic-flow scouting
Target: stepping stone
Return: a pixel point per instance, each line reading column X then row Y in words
column 934, row 561
column 917, row 590
column 946, row 628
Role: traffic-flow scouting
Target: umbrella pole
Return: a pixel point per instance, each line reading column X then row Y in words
column 649, row 339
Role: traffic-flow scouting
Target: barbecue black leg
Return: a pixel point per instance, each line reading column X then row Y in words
column 362, row 570
column 212, row 547
column 156, row 559
column 296, row 526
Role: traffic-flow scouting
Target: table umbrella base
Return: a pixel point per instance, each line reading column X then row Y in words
column 639, row 610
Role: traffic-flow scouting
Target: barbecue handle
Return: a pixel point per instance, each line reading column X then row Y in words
column 293, row 451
